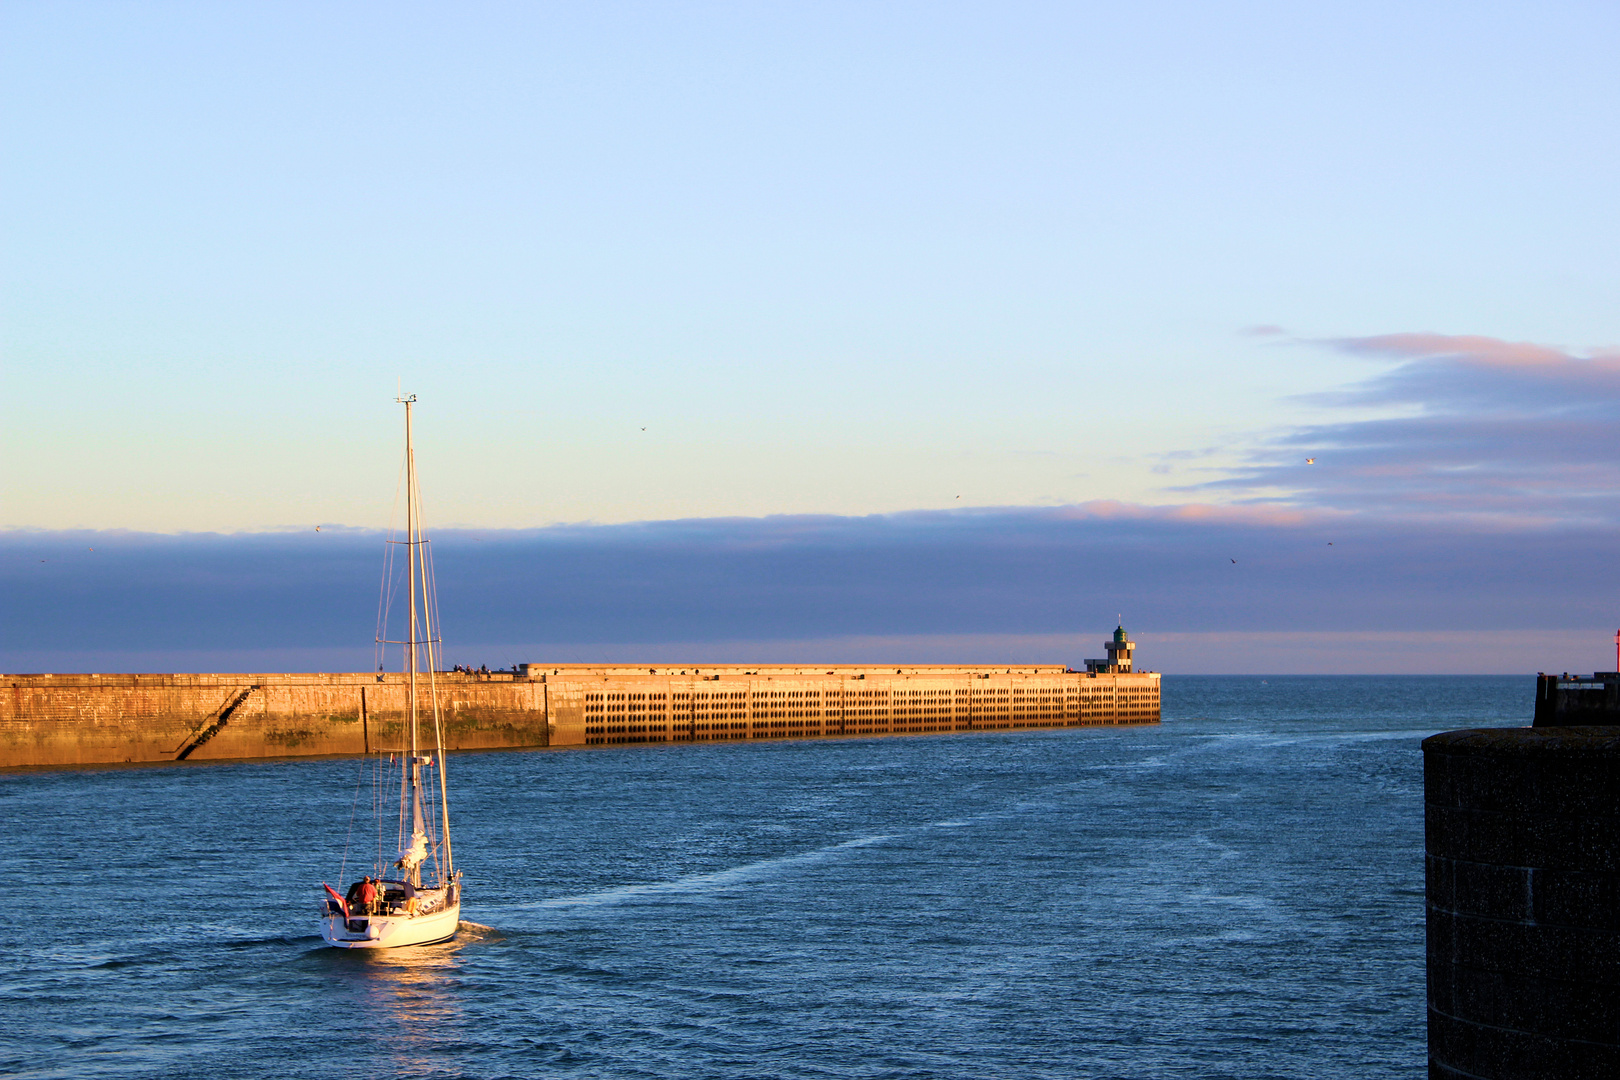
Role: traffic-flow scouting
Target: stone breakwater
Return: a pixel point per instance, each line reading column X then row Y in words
column 1523, row 844
column 112, row 719
column 68, row 720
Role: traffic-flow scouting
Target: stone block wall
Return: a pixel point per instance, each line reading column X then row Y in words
column 1522, row 831
column 613, row 705
column 113, row 719
column 57, row 720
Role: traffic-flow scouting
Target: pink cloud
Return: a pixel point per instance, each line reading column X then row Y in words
column 1509, row 430
column 1466, row 347
column 1213, row 513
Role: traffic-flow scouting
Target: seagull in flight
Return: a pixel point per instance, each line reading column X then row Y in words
column 1310, row 461
column 1234, row 562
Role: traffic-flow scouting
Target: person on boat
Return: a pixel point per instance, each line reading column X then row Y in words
column 368, row 895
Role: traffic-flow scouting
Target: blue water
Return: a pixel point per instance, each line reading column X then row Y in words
column 1238, row 892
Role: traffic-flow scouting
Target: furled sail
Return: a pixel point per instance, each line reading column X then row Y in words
column 412, row 857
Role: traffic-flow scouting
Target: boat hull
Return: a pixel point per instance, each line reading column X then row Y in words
column 392, row 931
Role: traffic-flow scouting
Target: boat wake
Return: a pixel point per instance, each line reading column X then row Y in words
column 695, row 884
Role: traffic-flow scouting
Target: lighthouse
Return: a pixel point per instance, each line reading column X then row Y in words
column 1119, row 654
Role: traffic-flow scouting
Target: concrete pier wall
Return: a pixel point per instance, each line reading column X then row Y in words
column 106, row 719
column 1523, row 867
column 56, row 720
column 604, row 706
column 1577, row 700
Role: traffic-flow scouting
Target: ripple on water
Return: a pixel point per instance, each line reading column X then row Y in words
column 1234, row 895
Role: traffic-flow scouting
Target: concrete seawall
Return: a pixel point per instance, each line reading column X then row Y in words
column 108, row 719
column 1523, row 865
column 66, row 720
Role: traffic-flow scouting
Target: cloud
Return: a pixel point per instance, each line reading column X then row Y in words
column 1481, row 498
column 1492, row 430
column 1469, row 348
column 928, row 584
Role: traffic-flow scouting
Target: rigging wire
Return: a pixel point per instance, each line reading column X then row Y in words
column 416, row 642
column 433, row 636
column 354, row 805
column 379, row 780
column 390, row 581
column 404, row 773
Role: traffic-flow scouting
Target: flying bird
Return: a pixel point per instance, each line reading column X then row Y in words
column 1234, row 562
column 1310, row 461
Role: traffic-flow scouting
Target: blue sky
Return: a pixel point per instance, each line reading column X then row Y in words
column 725, row 267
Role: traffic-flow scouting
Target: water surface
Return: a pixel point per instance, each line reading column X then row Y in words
column 1238, row 892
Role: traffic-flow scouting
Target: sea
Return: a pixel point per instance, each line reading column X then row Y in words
column 1237, row 892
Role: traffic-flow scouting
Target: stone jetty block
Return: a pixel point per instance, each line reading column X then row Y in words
column 1522, row 833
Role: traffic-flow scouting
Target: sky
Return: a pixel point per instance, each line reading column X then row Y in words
column 938, row 331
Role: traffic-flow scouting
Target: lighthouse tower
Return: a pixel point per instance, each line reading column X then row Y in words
column 1119, row 654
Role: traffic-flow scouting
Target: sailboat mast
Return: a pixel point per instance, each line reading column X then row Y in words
column 410, row 546
column 413, row 529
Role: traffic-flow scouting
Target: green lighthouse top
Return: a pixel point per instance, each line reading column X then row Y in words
column 1119, row 649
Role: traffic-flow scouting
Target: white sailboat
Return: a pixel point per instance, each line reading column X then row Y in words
column 416, row 898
